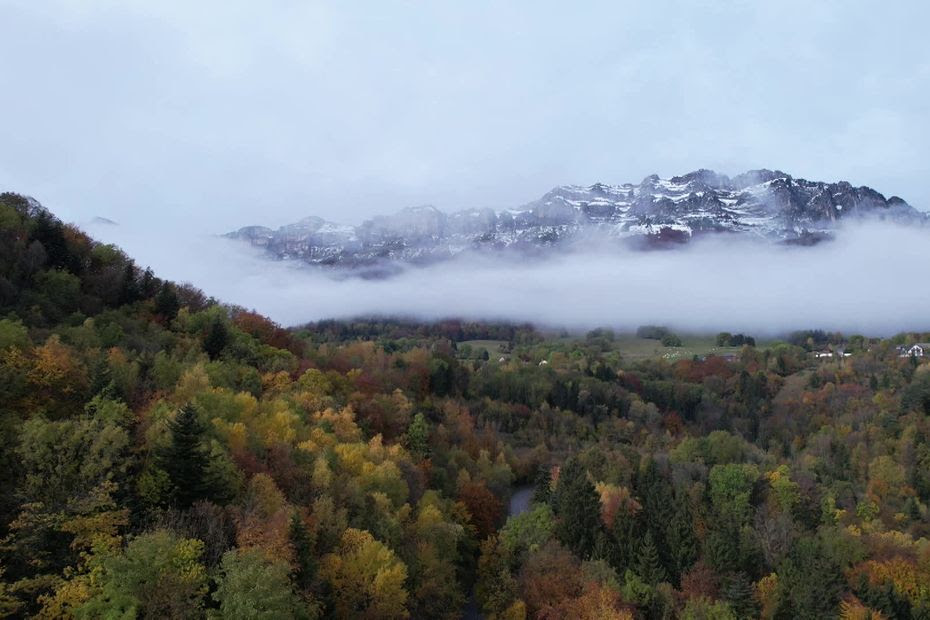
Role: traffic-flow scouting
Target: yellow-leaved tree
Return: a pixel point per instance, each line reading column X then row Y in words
column 366, row 577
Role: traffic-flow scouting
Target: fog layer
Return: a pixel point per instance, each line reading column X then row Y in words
column 872, row 279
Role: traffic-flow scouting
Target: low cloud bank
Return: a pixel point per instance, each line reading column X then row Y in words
column 873, row 279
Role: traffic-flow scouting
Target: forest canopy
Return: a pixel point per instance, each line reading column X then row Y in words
column 167, row 456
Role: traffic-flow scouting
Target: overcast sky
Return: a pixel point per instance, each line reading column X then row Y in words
column 220, row 114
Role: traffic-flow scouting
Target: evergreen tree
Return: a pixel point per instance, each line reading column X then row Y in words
column 738, row 591
column 129, row 288
column 148, row 284
column 101, row 376
column 303, row 546
column 185, row 458
column 216, row 340
column 658, row 500
column 647, row 564
column 811, row 581
column 883, row 598
column 542, row 485
column 49, row 232
column 625, row 535
column 418, row 436
column 682, row 543
column 167, row 303
column 721, row 548
column 578, row 507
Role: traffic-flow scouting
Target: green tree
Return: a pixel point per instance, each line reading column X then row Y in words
column 216, row 339
column 702, row 608
column 527, row 531
column 625, row 536
column 130, row 291
column 810, row 581
column 68, row 459
column 159, row 575
column 251, row 586
column 659, row 505
column 542, row 485
column 167, row 303
column 185, row 459
column 578, row 508
column 13, row 334
column 303, row 545
column 731, row 488
column 647, row 564
column 495, row 588
column 739, row 593
column 679, row 535
column 418, row 436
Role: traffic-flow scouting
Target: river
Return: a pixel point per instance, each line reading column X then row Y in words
column 519, row 503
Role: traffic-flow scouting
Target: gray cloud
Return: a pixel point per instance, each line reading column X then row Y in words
column 180, row 120
column 870, row 280
column 216, row 114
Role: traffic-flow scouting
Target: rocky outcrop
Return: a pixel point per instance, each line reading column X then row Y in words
column 768, row 204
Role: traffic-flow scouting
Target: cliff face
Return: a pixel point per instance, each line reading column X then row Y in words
column 770, row 205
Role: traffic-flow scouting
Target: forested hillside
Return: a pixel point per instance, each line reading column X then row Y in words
column 166, row 456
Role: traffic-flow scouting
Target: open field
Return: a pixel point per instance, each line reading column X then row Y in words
column 628, row 345
column 633, row 348
column 493, row 347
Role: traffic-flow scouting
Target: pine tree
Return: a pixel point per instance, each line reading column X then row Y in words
column 811, row 580
column 542, row 485
column 302, row 543
column 49, row 232
column 721, row 548
column 148, row 283
column 682, row 543
column 101, row 376
column 740, row 594
column 647, row 564
column 578, row 507
column 185, row 458
column 216, row 339
column 129, row 288
column 658, row 500
column 418, row 436
column 166, row 302
column 625, row 535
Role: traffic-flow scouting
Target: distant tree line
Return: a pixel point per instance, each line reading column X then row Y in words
column 662, row 334
column 726, row 339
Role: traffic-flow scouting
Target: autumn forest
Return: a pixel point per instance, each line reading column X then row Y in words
column 164, row 455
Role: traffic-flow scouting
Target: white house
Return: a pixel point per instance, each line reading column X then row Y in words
column 921, row 349
column 840, row 352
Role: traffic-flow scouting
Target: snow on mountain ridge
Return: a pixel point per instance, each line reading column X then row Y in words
column 769, row 204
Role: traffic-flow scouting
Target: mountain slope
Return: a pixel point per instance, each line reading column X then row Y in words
column 771, row 205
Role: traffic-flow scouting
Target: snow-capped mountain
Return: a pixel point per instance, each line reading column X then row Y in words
column 770, row 205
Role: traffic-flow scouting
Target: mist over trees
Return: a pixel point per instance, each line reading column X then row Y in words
column 861, row 282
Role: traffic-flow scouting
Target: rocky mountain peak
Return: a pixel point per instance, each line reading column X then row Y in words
column 770, row 205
